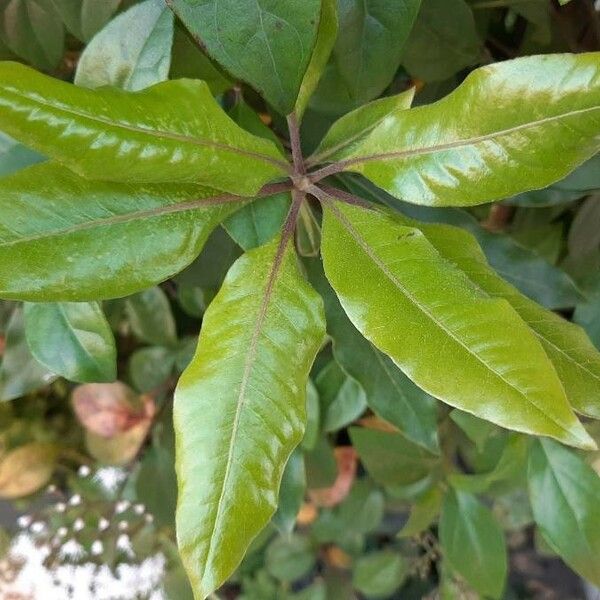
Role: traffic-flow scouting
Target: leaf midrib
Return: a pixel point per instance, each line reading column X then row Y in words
column 371, row 254
column 158, row 133
column 126, row 218
column 461, row 143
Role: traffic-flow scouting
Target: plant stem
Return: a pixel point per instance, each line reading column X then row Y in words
column 297, row 158
column 344, row 196
column 326, row 171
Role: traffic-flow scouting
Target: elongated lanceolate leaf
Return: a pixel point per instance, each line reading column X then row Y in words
column 83, row 18
column 240, row 410
column 510, row 127
column 132, row 52
column 575, row 359
column 267, row 44
column 454, row 341
column 66, row 238
column 72, row 339
column 173, row 131
column 564, row 494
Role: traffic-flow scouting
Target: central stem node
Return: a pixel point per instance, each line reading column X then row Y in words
column 302, row 183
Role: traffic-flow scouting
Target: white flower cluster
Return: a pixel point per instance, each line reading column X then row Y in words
column 86, row 581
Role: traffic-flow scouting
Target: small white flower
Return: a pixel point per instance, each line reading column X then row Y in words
column 60, row 507
column 75, row 500
column 124, row 545
column 84, row 471
column 51, row 489
column 97, row 548
column 62, row 532
column 24, row 521
column 123, row 526
column 37, row 527
column 139, row 509
column 149, row 518
column 103, row 524
column 71, row 549
column 110, row 477
column 122, row 506
column 78, row 525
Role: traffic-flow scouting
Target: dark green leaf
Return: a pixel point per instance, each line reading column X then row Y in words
column 289, row 558
column 84, row 18
column 267, row 46
column 367, row 52
column 72, row 339
column 423, row 513
column 15, row 156
column 33, row 31
column 564, row 494
column 291, row 493
column 473, row 543
column 239, row 412
column 151, row 318
column 151, row 367
column 379, row 574
column 438, row 46
column 115, row 135
column 132, row 52
column 20, row 373
column 66, row 238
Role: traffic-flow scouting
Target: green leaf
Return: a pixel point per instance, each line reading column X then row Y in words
column 132, row 52
column 258, row 222
column 439, row 47
column 20, row 373
column 15, row 156
column 379, row 574
column 84, row 18
column 587, row 315
column 114, row 135
column 367, row 52
column 151, row 318
column 473, row 543
column 390, row 393
column 573, row 356
column 477, row 430
column 475, row 354
column 33, row 31
column 291, row 493
column 423, row 513
column 151, row 367
column 269, row 47
column 459, row 152
column 326, row 36
column 356, row 125
column 290, row 558
column 237, row 417
column 389, row 458
column 188, row 61
column 342, row 398
column 564, row 494
column 63, row 238
column 313, row 418
column 72, row 339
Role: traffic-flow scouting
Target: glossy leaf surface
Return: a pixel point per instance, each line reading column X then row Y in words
column 239, row 411
column 150, row 316
column 366, row 54
column 473, row 543
column 128, row 136
column 390, row 393
column 268, row 45
column 457, row 152
column 91, row 240
column 132, row 52
column 475, row 352
column 574, row 357
column 72, row 339
column 564, row 494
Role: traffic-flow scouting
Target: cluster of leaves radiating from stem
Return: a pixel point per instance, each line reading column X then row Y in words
column 138, row 178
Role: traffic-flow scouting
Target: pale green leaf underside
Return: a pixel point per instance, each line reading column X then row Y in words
column 575, row 359
column 66, row 238
column 510, row 127
column 72, row 339
column 454, row 341
column 171, row 132
column 240, row 410
column 132, row 52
